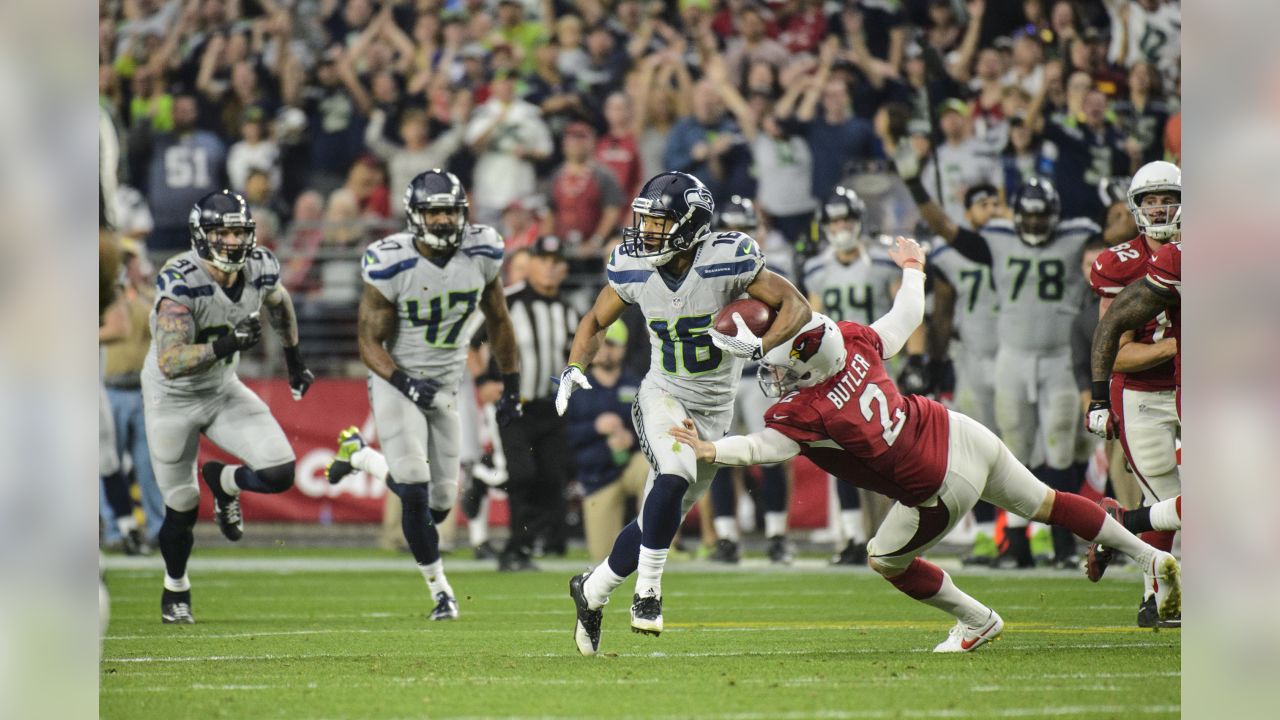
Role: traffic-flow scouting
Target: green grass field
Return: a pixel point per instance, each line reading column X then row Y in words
column 343, row 635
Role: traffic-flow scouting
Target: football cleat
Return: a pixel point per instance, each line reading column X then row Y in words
column 349, row 442
column 446, row 607
column 1099, row 557
column 726, row 552
column 133, row 543
column 1149, row 616
column 854, row 553
column 175, row 608
column 646, row 615
column 586, row 631
column 486, row 551
column 1166, row 581
column 780, row 551
column 226, row 507
column 962, row 638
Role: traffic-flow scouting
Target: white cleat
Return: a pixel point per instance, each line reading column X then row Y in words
column 1166, row 577
column 964, row 638
column 646, row 615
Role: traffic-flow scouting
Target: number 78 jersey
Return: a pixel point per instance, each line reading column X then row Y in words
column 436, row 306
column 683, row 361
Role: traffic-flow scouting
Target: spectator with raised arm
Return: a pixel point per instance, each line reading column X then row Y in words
column 507, row 136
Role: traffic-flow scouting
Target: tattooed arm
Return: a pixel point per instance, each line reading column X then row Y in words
column 177, row 354
column 377, row 325
column 1131, row 309
column 280, row 314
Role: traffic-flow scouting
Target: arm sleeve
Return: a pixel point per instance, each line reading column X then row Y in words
column 972, row 245
column 905, row 316
column 760, row 448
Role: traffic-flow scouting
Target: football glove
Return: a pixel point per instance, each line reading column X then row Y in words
column 743, row 343
column 1100, row 420
column 243, row 336
column 571, row 378
column 508, row 406
column 300, row 378
column 915, row 378
column 422, row 391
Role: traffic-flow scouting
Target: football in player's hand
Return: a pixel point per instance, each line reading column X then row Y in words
column 755, row 314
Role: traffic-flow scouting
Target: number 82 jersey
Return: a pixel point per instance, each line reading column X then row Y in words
column 435, row 304
column 683, row 361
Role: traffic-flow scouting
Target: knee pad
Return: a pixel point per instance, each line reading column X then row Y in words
column 443, row 494
column 438, row 516
column 277, row 478
column 183, row 499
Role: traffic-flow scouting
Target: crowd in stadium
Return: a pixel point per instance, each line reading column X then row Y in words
column 553, row 113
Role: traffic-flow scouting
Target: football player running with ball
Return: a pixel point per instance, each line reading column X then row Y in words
column 680, row 274
column 839, row 408
column 416, row 320
column 207, row 305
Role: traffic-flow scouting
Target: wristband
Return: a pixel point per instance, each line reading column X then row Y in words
column 918, row 193
column 579, row 366
column 511, row 384
column 400, row 379
column 293, row 358
column 225, row 346
column 1102, row 391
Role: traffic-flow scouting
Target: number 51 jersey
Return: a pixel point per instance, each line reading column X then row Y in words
column 435, row 304
column 684, row 361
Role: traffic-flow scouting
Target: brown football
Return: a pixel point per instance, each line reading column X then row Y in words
column 758, row 316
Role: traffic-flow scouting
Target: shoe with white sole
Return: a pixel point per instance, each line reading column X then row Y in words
column 964, row 638
column 1166, row 580
column 646, row 615
column 586, row 631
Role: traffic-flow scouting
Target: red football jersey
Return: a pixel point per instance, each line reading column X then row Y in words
column 858, row 427
column 1116, row 268
column 1164, row 275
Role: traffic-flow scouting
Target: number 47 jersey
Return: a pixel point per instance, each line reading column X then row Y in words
column 684, row 362
column 435, row 304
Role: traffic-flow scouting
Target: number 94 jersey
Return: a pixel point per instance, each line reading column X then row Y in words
column 684, row 362
column 436, row 306
column 184, row 280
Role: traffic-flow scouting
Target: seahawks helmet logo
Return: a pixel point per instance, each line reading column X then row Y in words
column 699, row 196
column 806, row 344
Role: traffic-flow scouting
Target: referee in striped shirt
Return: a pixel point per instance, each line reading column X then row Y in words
column 536, row 445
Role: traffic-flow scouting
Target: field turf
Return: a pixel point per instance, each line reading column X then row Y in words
column 343, row 635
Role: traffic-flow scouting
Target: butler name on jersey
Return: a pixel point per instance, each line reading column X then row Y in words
column 684, row 360
column 435, row 303
column 216, row 311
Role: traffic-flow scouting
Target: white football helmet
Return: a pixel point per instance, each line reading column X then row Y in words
column 815, row 354
column 1158, row 176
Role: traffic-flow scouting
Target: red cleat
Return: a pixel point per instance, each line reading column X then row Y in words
column 1099, row 557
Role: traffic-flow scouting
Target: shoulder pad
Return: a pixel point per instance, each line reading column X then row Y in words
column 727, row 254
column 263, row 269
column 483, row 241
column 999, row 226
column 1078, row 225
column 624, row 269
column 388, row 257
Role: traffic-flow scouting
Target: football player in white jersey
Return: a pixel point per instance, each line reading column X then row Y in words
column 206, row 312
column 681, row 275
column 416, row 321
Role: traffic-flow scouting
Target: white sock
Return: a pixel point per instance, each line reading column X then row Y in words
column 649, row 574
column 775, row 524
column 228, row 480
column 1113, row 535
column 600, row 585
column 436, row 581
column 478, row 526
column 181, row 584
column 371, row 461
column 1164, row 515
column 126, row 523
column 1014, row 520
column 726, row 528
column 851, row 525
column 958, row 604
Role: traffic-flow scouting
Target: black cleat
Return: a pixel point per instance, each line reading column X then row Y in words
column 486, row 551
column 226, row 507
column 133, row 543
column 516, row 562
column 175, row 608
column 852, row 554
column 1016, row 554
column 446, row 607
column 726, row 552
column 780, row 551
column 646, row 615
column 1149, row 616
column 586, row 631
column 1099, row 558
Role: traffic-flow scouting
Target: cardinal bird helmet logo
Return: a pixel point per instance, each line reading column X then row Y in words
column 806, row 344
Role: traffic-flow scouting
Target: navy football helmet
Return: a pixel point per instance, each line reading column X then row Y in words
column 684, row 208
column 213, row 219
column 1036, row 209
column 432, row 192
column 841, row 218
column 738, row 214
